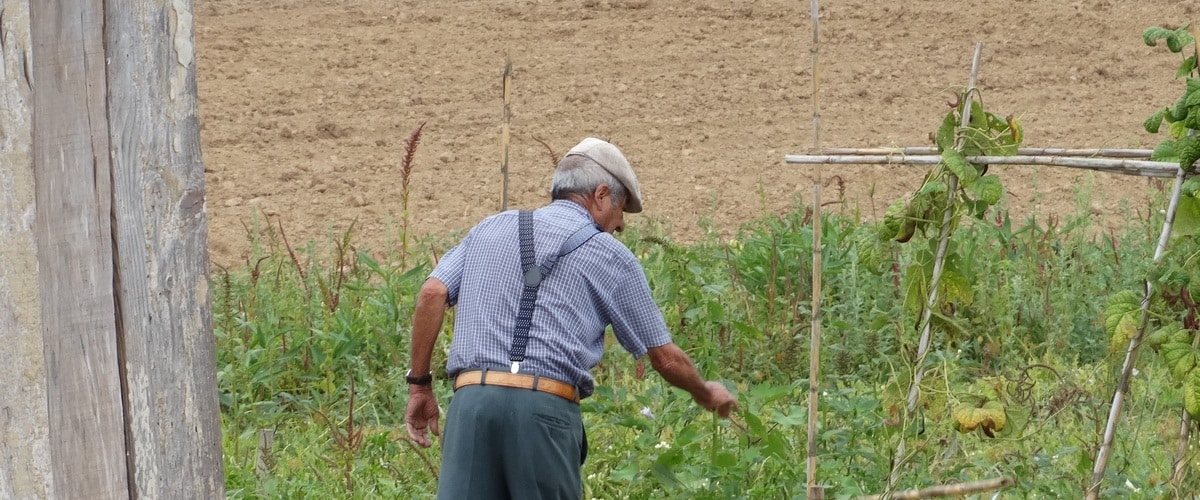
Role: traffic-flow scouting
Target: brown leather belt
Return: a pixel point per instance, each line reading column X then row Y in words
column 517, row 381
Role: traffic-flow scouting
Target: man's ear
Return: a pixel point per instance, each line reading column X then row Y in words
column 602, row 191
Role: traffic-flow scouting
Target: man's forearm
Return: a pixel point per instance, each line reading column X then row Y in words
column 677, row 369
column 428, row 315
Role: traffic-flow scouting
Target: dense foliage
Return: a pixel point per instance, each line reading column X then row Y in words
column 312, row 347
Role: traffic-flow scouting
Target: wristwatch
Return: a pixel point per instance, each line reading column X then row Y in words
column 426, row 379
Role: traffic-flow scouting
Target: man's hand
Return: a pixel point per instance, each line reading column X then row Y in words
column 716, row 398
column 676, row 367
column 421, row 415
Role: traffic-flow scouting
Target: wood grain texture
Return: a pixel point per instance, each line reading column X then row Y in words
column 25, row 470
column 161, row 240
column 74, row 244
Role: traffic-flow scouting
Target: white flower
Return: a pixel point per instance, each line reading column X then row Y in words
column 646, row 413
column 662, row 445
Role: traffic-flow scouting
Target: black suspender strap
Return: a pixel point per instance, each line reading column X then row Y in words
column 533, row 275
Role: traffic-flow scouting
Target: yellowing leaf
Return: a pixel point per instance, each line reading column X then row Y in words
column 1121, row 317
column 990, row 417
column 1191, row 394
column 955, row 288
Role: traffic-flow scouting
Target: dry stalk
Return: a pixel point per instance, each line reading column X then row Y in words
column 554, row 158
column 406, row 168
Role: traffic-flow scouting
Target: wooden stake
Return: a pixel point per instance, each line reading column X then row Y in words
column 814, row 351
column 504, row 131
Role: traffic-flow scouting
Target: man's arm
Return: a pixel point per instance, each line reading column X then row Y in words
column 422, row 411
column 676, row 367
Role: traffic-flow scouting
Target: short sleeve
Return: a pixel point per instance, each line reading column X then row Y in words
column 636, row 319
column 449, row 270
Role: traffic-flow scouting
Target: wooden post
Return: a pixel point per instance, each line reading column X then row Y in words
column 108, row 380
column 24, row 421
column 160, row 234
column 73, row 194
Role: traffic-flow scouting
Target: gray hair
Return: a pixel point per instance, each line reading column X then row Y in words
column 580, row 175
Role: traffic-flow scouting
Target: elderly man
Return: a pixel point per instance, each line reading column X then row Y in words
column 535, row 292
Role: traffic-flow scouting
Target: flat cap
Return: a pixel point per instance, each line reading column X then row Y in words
column 608, row 156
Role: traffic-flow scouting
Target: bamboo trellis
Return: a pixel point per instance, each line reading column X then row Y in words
column 1115, row 165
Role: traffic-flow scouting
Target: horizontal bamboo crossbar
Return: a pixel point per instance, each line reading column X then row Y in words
column 1143, row 168
column 929, row 150
column 959, row 489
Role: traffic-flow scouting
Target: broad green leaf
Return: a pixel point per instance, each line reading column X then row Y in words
column 987, row 189
column 1192, row 96
column 1191, row 187
column 915, row 281
column 1121, row 316
column 1174, row 44
column 1151, row 124
column 872, row 254
column 893, row 218
column 766, row 393
column 1180, row 358
column 1191, row 394
column 931, row 188
column 1187, row 217
column 725, row 459
column 1165, row 151
column 1188, row 148
column 665, row 475
column 978, row 116
column 945, row 132
column 957, row 164
column 1178, row 129
column 754, row 424
column 790, row 420
column 1162, row 335
column 1153, row 34
column 1187, row 66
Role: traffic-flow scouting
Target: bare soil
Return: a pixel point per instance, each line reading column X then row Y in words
column 306, row 105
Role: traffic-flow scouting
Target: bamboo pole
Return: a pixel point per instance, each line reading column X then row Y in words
column 504, row 130
column 959, row 489
column 930, row 150
column 914, row 389
column 1131, row 352
column 815, row 492
column 1143, row 168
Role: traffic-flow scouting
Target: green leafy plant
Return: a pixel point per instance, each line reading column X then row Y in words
column 1172, row 310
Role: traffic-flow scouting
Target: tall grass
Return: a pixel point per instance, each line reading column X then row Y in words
column 310, row 345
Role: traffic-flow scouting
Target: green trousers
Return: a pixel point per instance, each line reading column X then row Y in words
column 505, row 443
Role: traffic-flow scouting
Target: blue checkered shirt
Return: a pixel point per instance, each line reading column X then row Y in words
column 599, row 284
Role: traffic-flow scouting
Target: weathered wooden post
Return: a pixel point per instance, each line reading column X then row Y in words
column 108, row 380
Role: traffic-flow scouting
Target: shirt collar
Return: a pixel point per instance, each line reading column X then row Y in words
column 573, row 208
